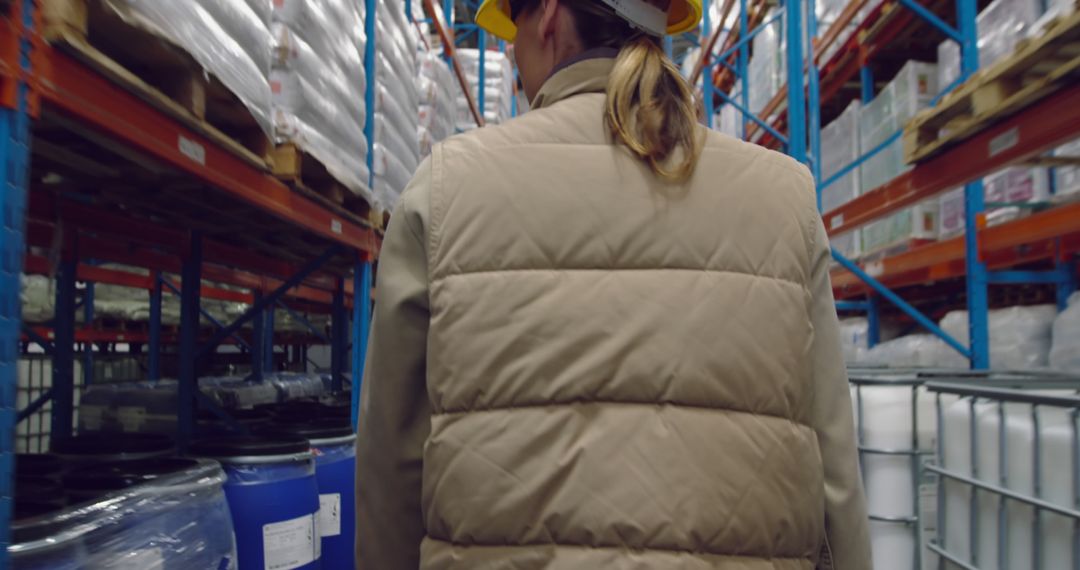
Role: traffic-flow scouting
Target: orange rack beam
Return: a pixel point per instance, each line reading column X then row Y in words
column 75, row 90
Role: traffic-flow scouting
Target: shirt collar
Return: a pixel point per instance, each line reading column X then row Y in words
column 586, row 72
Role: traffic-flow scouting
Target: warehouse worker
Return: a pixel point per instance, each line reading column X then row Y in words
column 604, row 336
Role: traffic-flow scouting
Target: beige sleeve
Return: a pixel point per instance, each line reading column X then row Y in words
column 395, row 412
column 847, row 526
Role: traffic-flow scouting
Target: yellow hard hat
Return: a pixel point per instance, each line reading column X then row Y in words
column 682, row 15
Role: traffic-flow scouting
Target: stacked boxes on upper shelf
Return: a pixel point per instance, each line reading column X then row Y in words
column 438, row 101
column 912, row 90
column 766, row 71
column 229, row 39
column 840, row 148
column 396, row 150
column 498, row 87
column 318, row 84
column 1001, row 25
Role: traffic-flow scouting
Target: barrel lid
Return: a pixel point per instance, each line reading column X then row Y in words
column 250, row 446
column 113, row 444
column 38, row 464
column 313, row 430
column 120, row 475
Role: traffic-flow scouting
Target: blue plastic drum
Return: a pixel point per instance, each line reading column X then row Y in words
column 273, row 497
column 169, row 513
column 46, row 546
column 333, row 443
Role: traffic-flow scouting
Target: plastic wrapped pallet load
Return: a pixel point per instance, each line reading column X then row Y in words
column 147, row 525
column 395, row 148
column 840, row 148
column 915, row 351
column 498, row 87
column 912, row 90
column 438, row 101
column 230, row 39
column 1065, row 338
column 318, row 85
column 1000, row 26
column 1019, row 336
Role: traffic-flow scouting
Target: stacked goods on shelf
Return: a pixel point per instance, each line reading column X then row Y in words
column 1001, row 25
column 150, row 407
column 767, row 69
column 1009, row 193
column 898, row 231
column 1067, row 178
column 914, row 351
column 318, row 84
column 1019, row 336
column 914, row 87
column 840, row 148
column 498, row 87
column 912, row 90
column 396, row 151
column 828, row 12
column 117, row 303
column 1065, row 338
column 438, row 101
column 728, row 120
column 204, row 63
column 1020, row 339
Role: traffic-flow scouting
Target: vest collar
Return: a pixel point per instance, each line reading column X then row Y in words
column 584, row 73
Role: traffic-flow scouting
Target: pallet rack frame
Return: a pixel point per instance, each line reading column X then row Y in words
column 34, row 75
column 982, row 255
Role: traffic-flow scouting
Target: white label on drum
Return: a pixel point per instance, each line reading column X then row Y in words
column 330, row 515
column 289, row 544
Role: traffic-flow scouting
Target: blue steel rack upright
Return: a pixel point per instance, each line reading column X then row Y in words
column 14, row 174
column 802, row 142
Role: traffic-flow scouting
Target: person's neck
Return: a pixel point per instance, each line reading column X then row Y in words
column 583, row 55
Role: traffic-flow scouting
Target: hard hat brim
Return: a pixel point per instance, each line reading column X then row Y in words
column 494, row 16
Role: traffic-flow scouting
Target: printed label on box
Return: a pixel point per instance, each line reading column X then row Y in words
column 330, row 514
column 289, row 544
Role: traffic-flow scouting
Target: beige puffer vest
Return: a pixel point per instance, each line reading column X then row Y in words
column 616, row 364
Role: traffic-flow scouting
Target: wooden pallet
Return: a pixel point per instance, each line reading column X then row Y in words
column 1038, row 67
column 156, row 71
column 307, row 176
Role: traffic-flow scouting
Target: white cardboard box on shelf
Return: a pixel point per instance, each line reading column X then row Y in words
column 920, row 222
column 1000, row 26
column 1009, row 189
column 912, row 90
column 840, row 147
column 1067, row 178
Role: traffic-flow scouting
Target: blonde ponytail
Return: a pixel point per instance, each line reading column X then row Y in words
column 651, row 109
